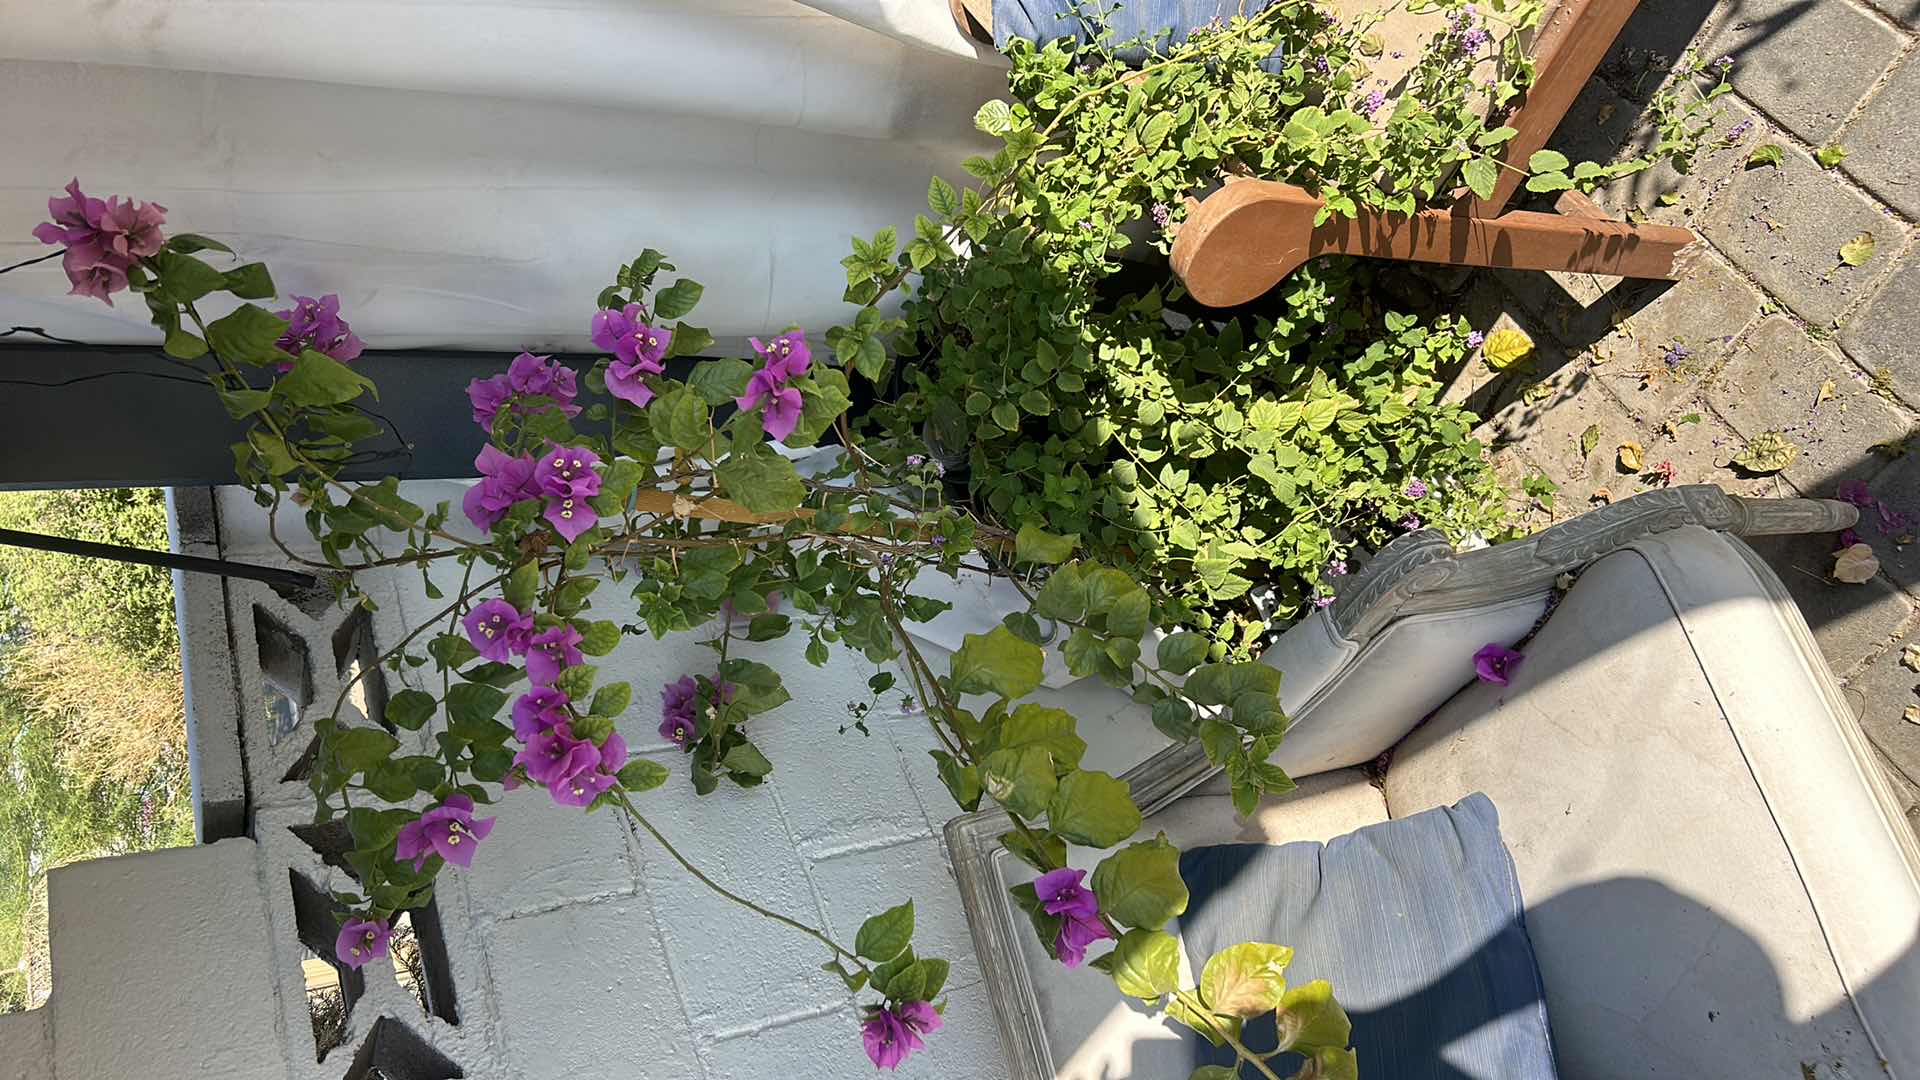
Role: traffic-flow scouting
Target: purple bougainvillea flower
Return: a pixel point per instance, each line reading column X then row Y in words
column 787, row 356
column 362, row 940
column 638, row 350
column 552, row 651
column 77, row 220
column 541, row 709
column 1846, row 539
column 131, row 229
column 1061, row 893
column 317, row 325
column 565, row 476
column 1494, row 663
column 448, row 830
column 892, row 1034
column 503, row 481
column 543, row 376
column 1891, row 519
column 679, row 722
column 498, row 629
column 782, row 403
column 554, row 757
column 94, row 273
column 488, row 396
column 583, row 787
column 1416, row 489
column 1855, row 492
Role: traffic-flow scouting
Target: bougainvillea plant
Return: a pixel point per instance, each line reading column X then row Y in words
column 673, row 488
column 673, row 480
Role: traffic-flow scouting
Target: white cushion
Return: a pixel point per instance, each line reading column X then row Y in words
column 1715, row 881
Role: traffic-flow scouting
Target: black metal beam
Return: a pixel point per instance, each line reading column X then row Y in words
column 127, row 416
column 192, row 564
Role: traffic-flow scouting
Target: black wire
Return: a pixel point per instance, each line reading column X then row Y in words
column 30, row 262
column 102, row 375
column 37, row 332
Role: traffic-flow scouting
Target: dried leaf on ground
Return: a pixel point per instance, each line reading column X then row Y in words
column 1505, row 348
column 1589, row 439
column 1825, row 394
column 1858, row 250
column 1910, row 657
column 1912, row 715
column 1855, row 564
column 1632, row 457
column 1769, row 452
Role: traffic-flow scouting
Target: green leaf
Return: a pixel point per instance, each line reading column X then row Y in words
column 1006, row 415
column 994, row 118
column 1093, row 809
column 1146, row 964
column 886, row 935
column 247, row 335
column 761, row 480
column 1036, row 545
column 822, row 399
column 185, row 345
column 1547, row 161
column 357, row 749
column 1140, row 886
column 746, row 758
column 1207, row 1024
column 1589, row 439
column 1549, row 181
column 1764, row 155
column 996, row 662
column 392, row 781
column 1213, row 1072
column 1494, row 137
column 184, row 279
column 720, row 381
column 1173, row 718
column 241, row 404
column 411, row 709
column 1155, row 132
column 1335, row 1063
column 1309, row 1018
column 452, row 650
column 188, row 243
column 250, row 282
column 1021, row 779
column 319, row 379
column 689, row 341
column 600, row 637
column 612, row 699
column 1246, row 980
column 472, row 703
column 1223, row 684
column 1481, row 175
column 962, row 781
column 941, row 198
column 1045, row 852
column 576, row 681
column 883, row 975
column 681, row 418
column 642, row 774
column 1830, row 155
column 1048, row 728
column 677, row 299
column 1182, row 652
column 523, row 585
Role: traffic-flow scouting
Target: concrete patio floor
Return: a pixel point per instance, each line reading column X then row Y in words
column 1767, row 330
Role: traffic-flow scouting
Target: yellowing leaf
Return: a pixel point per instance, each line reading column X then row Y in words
column 1830, row 155
column 1855, row 564
column 1826, row 392
column 1910, row 657
column 1632, row 457
column 1767, row 453
column 1912, row 714
column 1589, row 439
column 1505, row 348
column 1764, row 155
column 1858, row 250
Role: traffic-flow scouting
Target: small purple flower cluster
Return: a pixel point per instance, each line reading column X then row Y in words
column 783, row 360
column 573, row 770
column 563, row 477
column 1855, row 492
column 448, row 830
column 638, row 350
column 1376, row 100
column 892, row 1033
column 103, row 238
column 317, row 325
column 680, row 709
column 1416, row 489
column 527, row 378
column 1466, row 32
column 1162, row 215
column 1061, row 893
column 1475, row 339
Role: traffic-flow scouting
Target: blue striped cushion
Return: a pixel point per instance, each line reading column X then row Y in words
column 1418, row 924
column 1042, row 21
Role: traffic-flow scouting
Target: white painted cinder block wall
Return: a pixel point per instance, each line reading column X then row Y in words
column 575, row 950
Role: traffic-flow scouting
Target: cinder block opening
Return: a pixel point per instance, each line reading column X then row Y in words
column 286, row 673
column 393, row 1052
column 332, row 988
column 357, row 661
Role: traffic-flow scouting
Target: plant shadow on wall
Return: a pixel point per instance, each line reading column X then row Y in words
column 1133, row 464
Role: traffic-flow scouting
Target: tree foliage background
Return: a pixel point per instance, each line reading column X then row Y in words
column 92, row 728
